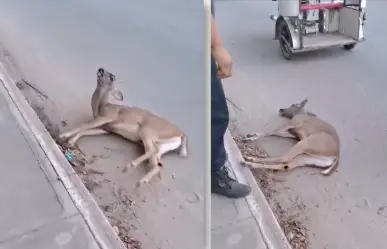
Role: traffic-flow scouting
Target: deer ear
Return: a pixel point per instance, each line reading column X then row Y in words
column 303, row 103
column 112, row 77
column 117, row 94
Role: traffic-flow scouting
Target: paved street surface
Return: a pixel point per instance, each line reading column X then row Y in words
column 155, row 49
column 37, row 211
column 348, row 89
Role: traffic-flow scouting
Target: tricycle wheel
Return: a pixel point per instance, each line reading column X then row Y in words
column 349, row 46
column 284, row 35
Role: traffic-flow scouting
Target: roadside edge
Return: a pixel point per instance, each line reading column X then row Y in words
column 266, row 220
column 96, row 221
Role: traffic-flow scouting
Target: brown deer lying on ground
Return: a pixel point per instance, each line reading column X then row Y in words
column 318, row 145
column 157, row 135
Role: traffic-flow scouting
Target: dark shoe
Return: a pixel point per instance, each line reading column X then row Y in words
column 223, row 184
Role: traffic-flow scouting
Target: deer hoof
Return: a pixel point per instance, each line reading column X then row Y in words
column 246, row 139
column 251, row 159
column 249, row 138
column 64, row 136
column 244, row 163
column 71, row 143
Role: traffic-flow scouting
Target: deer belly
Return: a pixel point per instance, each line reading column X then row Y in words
column 129, row 132
column 169, row 145
column 320, row 161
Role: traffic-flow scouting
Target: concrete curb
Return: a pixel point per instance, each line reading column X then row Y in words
column 267, row 223
column 98, row 224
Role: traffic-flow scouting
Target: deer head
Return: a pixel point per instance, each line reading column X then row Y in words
column 294, row 109
column 105, row 87
column 105, row 84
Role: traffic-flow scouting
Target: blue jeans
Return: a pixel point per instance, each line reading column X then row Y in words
column 219, row 120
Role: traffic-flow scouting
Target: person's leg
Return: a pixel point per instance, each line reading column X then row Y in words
column 219, row 121
column 221, row 183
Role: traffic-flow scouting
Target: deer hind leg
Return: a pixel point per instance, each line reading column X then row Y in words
column 159, row 149
column 90, row 132
column 298, row 161
column 97, row 122
column 312, row 160
column 283, row 132
column 150, row 151
column 172, row 144
column 168, row 145
column 154, row 160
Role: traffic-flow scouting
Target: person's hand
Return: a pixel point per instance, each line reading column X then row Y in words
column 223, row 61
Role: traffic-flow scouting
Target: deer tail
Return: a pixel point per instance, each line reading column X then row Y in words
column 332, row 168
column 184, row 145
column 184, row 140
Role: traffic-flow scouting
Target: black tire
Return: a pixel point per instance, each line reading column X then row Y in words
column 349, row 46
column 283, row 31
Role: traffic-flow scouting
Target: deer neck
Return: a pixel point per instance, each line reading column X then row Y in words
column 98, row 99
column 310, row 114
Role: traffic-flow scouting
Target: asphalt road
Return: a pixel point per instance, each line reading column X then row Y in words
column 348, row 89
column 155, row 49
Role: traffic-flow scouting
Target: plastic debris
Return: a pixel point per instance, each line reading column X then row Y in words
column 69, row 156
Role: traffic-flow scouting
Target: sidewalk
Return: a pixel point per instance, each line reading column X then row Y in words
column 38, row 210
column 246, row 223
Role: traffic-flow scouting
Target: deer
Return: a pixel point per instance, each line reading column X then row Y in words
column 156, row 134
column 318, row 143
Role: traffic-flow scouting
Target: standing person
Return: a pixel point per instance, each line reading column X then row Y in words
column 221, row 67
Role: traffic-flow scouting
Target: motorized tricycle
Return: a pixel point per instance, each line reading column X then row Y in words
column 304, row 25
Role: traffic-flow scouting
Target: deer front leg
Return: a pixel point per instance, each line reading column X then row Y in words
column 299, row 161
column 91, row 132
column 269, row 160
column 296, row 150
column 283, row 132
column 280, row 166
column 97, row 122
